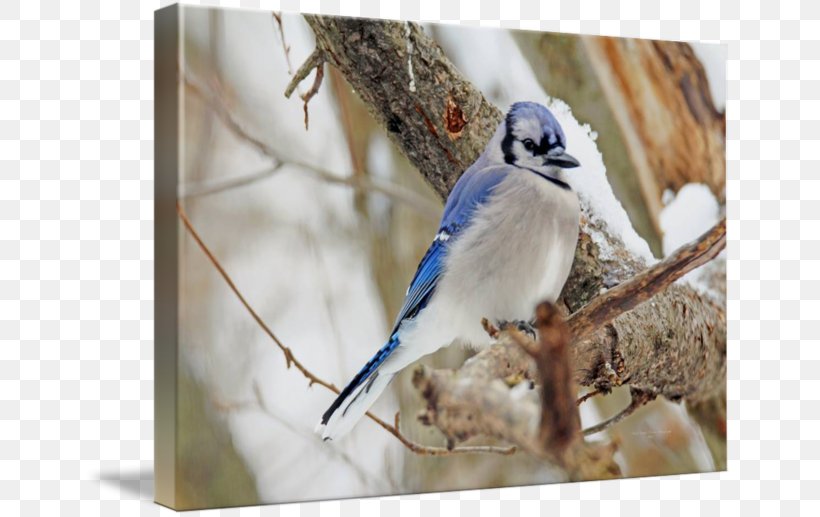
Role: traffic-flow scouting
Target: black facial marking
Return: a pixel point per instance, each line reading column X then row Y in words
column 556, row 181
column 507, row 143
column 544, row 147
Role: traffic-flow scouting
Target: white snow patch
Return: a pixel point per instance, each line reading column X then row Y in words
column 687, row 216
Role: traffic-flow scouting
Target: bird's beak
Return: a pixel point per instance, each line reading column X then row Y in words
column 563, row 160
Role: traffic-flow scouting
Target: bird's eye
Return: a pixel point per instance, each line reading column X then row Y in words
column 529, row 145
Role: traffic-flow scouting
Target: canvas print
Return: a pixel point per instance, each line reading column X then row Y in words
column 395, row 257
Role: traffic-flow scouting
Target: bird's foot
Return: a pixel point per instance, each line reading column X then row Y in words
column 526, row 327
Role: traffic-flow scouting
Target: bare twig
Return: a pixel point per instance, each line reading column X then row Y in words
column 221, row 110
column 425, row 207
column 441, row 451
column 290, row 359
column 285, row 46
column 316, row 60
column 646, row 284
column 314, row 89
column 586, row 396
column 462, row 406
column 639, row 398
column 208, row 188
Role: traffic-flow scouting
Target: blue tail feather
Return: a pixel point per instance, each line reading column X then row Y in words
column 371, row 366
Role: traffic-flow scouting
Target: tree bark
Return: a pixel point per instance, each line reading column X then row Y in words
column 441, row 122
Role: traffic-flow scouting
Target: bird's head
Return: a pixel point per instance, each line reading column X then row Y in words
column 533, row 139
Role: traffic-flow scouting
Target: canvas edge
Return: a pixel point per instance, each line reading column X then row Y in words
column 166, row 250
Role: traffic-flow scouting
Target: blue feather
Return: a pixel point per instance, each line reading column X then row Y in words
column 366, row 371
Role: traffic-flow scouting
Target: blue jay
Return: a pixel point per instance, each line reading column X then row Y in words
column 506, row 242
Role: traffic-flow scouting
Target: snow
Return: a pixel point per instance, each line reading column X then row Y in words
column 504, row 76
column 687, row 215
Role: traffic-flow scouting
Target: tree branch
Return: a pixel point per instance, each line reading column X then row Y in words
column 559, row 412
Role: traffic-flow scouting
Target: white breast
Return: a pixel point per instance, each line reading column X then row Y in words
column 517, row 252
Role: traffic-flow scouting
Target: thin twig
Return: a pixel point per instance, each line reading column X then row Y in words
column 290, row 359
column 314, row 89
column 316, row 60
column 425, row 450
column 208, row 188
column 626, row 296
column 586, row 396
column 285, row 46
column 425, row 207
column 639, row 398
column 222, row 111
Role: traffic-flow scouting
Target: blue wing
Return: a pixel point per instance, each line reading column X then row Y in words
column 470, row 191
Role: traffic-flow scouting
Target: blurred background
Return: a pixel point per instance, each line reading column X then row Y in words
column 321, row 228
